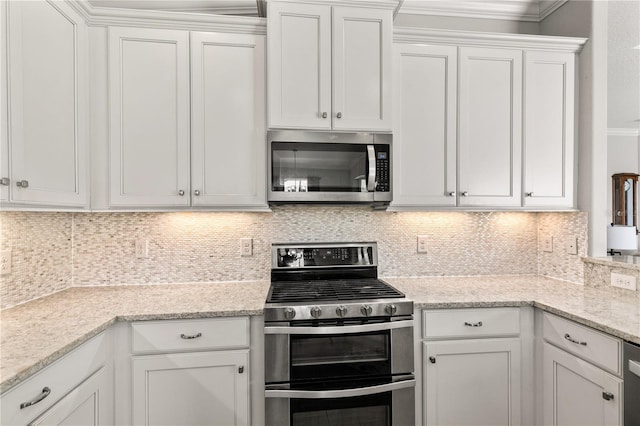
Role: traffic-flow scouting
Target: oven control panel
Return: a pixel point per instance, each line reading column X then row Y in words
column 337, row 311
column 310, row 256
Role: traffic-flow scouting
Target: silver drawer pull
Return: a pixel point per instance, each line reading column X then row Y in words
column 193, row 336
column 45, row 393
column 572, row 340
column 474, row 324
column 607, row 395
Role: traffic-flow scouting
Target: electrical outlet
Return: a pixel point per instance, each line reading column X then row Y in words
column 142, row 248
column 547, row 243
column 246, row 246
column 623, row 281
column 572, row 246
column 422, row 243
column 5, row 262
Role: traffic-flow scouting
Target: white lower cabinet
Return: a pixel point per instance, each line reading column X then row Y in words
column 578, row 393
column 576, row 388
column 190, row 372
column 85, row 405
column 201, row 388
column 472, row 382
column 78, row 389
column 471, row 367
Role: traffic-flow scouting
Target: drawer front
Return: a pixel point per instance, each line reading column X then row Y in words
column 189, row 335
column 470, row 323
column 60, row 378
column 593, row 346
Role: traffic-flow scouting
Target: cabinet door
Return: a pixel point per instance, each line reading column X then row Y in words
column 424, row 130
column 203, row 388
column 228, row 148
column 490, row 140
column 91, row 403
column 472, row 382
column 47, row 90
column 149, row 117
column 362, row 42
column 549, row 79
column 578, row 393
column 299, row 62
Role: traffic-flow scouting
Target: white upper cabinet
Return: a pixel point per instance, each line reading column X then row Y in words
column 187, row 119
column 549, row 79
column 46, row 138
column 149, row 117
column 228, row 147
column 361, row 69
column 424, row 130
column 329, row 67
column 299, row 65
column 490, row 132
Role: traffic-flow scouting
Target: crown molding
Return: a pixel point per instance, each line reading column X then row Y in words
column 473, row 38
column 623, row 131
column 371, row 4
column 105, row 16
column 520, row 10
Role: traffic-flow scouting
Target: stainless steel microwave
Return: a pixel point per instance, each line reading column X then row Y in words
column 327, row 167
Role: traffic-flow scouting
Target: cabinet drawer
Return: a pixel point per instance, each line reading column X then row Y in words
column 189, row 335
column 470, row 323
column 60, row 378
column 598, row 348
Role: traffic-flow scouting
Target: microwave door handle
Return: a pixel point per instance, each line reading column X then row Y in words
column 371, row 180
column 341, row 393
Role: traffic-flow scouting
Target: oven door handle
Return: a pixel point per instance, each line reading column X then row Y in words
column 338, row 329
column 341, row 393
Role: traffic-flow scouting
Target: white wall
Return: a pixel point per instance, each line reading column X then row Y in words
column 585, row 18
column 466, row 24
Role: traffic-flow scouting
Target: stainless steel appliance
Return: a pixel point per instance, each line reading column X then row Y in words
column 631, row 356
column 316, row 167
column 338, row 341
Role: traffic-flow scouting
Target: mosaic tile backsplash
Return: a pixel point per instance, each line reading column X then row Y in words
column 52, row 251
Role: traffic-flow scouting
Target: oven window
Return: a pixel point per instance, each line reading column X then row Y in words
column 309, row 167
column 370, row 410
column 339, row 356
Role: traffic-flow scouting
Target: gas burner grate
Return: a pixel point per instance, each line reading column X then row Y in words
column 329, row 290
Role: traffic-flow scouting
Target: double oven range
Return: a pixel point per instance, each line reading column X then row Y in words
column 338, row 341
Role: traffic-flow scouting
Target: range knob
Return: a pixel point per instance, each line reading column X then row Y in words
column 391, row 309
column 316, row 311
column 341, row 311
column 366, row 310
column 289, row 313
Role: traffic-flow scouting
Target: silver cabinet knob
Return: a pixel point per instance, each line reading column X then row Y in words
column 528, row 194
column 324, row 115
column 452, row 194
column 316, row 311
column 22, row 184
column 432, row 359
column 181, row 192
column 366, row 310
column 391, row 309
column 289, row 313
column 464, row 194
column 339, row 115
column 5, row 181
column 607, row 396
column 341, row 311
column 196, row 192
column 241, row 369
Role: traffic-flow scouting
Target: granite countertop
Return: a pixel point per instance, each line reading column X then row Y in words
column 35, row 334
column 613, row 311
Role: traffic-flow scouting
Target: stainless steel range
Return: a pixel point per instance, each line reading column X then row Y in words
column 338, row 340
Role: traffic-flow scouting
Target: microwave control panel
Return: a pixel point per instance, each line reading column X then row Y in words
column 382, row 168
